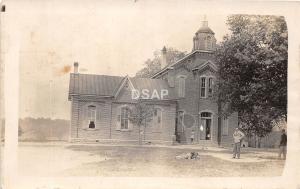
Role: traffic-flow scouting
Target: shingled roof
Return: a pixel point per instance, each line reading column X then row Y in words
column 107, row 86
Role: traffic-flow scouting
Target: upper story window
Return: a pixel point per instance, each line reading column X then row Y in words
column 206, row 87
column 210, row 86
column 92, row 116
column 203, row 86
column 181, row 86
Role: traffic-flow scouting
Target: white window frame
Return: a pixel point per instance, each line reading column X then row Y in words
column 126, row 119
column 207, row 86
column 92, row 115
column 201, row 88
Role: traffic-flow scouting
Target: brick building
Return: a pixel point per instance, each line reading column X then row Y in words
column 188, row 113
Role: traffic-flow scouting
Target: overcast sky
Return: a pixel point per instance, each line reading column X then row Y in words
column 105, row 38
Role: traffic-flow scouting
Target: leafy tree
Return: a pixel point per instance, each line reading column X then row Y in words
column 253, row 71
column 140, row 114
column 153, row 65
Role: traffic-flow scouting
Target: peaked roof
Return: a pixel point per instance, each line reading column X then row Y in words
column 179, row 61
column 110, row 86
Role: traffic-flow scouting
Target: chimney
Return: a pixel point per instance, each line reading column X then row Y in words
column 76, row 67
column 163, row 58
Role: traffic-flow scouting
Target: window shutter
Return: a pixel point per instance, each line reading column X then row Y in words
column 98, row 113
column 118, row 122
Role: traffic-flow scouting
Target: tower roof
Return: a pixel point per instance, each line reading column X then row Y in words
column 205, row 29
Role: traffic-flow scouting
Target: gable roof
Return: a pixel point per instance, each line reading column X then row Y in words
column 154, row 84
column 122, row 84
column 178, row 62
column 206, row 64
column 110, row 86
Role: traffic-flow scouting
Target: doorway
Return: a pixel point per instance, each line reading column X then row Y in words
column 205, row 126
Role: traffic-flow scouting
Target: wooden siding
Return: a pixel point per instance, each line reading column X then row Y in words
column 106, row 126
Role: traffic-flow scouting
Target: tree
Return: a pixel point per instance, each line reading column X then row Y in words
column 253, row 71
column 153, row 65
column 140, row 114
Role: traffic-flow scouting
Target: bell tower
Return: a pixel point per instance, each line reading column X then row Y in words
column 204, row 38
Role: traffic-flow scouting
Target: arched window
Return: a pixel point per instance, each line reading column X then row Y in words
column 205, row 127
column 209, row 43
column 181, row 86
column 92, row 116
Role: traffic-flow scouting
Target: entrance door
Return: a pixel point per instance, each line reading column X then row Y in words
column 208, row 129
column 205, row 126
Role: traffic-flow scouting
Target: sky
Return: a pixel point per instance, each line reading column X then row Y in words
column 107, row 37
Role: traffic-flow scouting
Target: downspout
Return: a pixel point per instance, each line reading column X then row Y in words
column 110, row 121
column 77, row 121
column 219, row 123
column 198, row 117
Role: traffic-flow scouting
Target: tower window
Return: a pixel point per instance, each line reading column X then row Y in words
column 209, row 43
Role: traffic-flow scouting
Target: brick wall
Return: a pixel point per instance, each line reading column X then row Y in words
column 189, row 104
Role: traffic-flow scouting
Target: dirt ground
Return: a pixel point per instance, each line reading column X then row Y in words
column 63, row 159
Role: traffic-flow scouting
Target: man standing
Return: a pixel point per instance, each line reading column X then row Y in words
column 238, row 135
column 282, row 145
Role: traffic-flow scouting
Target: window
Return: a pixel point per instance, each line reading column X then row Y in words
column 124, row 118
column 209, row 43
column 181, row 87
column 203, row 86
column 92, row 116
column 210, row 84
column 205, row 127
column 206, row 87
column 225, row 126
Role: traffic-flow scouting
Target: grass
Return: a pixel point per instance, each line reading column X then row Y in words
column 161, row 162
